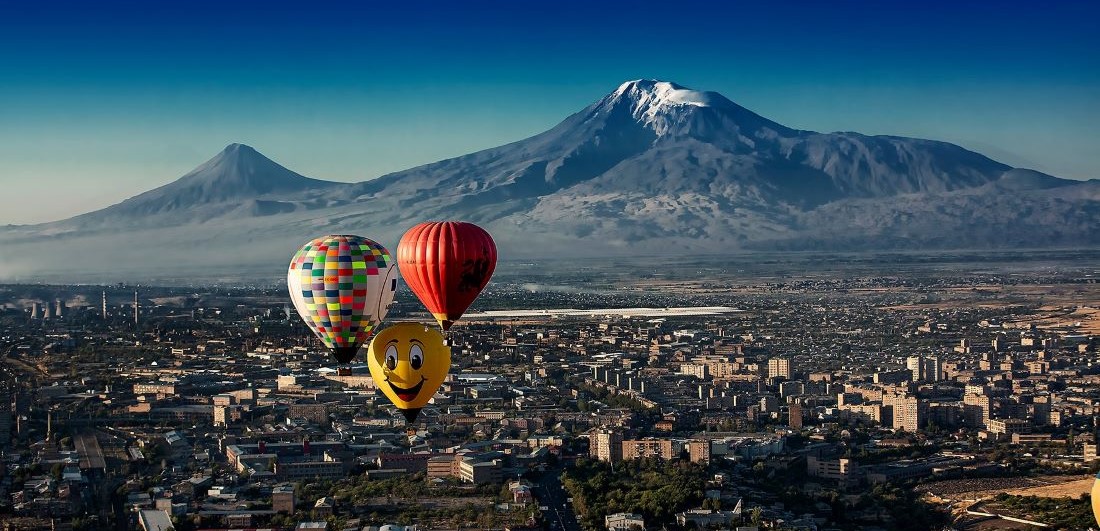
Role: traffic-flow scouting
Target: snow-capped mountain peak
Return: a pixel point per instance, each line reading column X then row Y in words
column 649, row 93
column 670, row 109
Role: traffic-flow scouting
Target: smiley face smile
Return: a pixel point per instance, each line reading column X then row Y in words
column 407, row 394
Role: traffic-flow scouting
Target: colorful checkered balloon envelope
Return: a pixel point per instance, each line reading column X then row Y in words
column 342, row 287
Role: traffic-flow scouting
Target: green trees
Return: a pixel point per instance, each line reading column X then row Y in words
column 1059, row 513
column 657, row 489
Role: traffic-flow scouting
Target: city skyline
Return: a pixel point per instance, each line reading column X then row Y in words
column 133, row 98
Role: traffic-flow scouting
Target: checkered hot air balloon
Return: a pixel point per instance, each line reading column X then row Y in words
column 342, row 287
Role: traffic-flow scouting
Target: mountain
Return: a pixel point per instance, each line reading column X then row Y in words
column 650, row 165
column 239, row 181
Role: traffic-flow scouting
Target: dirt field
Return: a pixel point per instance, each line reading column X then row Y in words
column 1069, row 489
column 1083, row 319
column 1045, row 486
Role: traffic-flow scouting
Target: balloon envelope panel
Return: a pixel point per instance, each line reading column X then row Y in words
column 342, row 286
column 447, row 264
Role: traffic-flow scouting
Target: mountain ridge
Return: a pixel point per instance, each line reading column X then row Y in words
column 651, row 164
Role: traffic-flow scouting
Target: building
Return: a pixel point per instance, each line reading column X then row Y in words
column 699, row 451
column 309, row 469
column 915, row 365
column 1008, row 427
column 909, row 412
column 471, row 470
column 977, row 409
column 411, row 463
column 154, row 520
column 1031, row 438
column 791, row 388
column 649, row 447
column 842, row 469
column 444, row 466
column 780, row 368
column 1090, row 452
column 323, row 507
column 155, row 389
column 794, row 414
column 226, row 415
column 606, row 445
column 708, row 519
column 892, row 377
column 933, row 369
column 697, row 370
column 314, row 413
column 624, row 522
column 282, row 499
column 865, row 414
column 521, row 492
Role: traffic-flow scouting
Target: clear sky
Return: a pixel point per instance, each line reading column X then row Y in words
column 103, row 100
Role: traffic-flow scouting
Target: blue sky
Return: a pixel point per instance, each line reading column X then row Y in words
column 100, row 101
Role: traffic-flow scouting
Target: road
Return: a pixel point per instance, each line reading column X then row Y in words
column 550, row 493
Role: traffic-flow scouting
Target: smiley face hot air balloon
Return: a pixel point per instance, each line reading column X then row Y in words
column 408, row 362
column 446, row 264
column 342, row 287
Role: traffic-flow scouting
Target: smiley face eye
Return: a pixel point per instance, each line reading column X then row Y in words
column 416, row 357
column 391, row 357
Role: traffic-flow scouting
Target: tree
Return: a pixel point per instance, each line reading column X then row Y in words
column 757, row 516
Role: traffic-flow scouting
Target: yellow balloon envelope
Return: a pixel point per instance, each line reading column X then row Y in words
column 1096, row 499
column 409, row 362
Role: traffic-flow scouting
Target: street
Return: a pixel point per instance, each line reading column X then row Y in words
column 551, row 494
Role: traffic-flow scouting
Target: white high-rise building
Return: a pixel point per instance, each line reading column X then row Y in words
column 780, row 367
column 933, row 369
column 915, row 364
column 925, row 368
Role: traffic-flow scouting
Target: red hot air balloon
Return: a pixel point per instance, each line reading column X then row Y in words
column 446, row 264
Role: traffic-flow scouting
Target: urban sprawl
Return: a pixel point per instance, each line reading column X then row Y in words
column 929, row 399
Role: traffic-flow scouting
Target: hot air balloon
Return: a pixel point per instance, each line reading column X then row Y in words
column 342, row 287
column 446, row 264
column 409, row 362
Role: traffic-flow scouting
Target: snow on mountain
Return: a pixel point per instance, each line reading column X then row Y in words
column 650, row 165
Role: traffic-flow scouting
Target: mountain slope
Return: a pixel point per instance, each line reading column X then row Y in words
column 651, row 165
